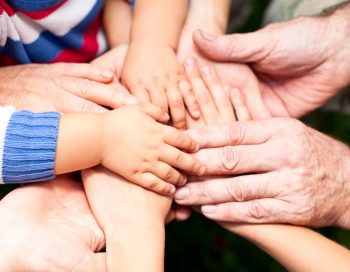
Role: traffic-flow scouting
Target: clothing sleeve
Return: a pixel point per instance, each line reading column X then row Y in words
column 27, row 145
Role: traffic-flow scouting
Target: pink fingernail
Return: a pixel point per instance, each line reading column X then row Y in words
column 209, row 209
column 182, row 193
column 189, row 63
column 107, row 74
column 205, row 35
column 202, row 171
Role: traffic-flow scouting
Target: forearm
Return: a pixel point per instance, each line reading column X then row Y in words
column 296, row 248
column 138, row 247
column 158, row 21
column 117, row 22
column 209, row 15
column 79, row 142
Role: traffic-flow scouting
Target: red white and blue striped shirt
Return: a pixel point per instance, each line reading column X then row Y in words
column 46, row 31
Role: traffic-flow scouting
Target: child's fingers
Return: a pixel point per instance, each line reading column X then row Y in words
column 158, row 97
column 180, row 140
column 240, row 107
column 84, row 70
column 155, row 184
column 169, row 174
column 181, row 160
column 204, row 98
column 221, row 100
column 177, row 107
column 141, row 93
column 155, row 112
column 190, row 99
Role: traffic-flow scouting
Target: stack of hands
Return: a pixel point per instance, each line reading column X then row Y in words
column 267, row 167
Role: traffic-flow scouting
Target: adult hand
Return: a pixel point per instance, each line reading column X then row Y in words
column 49, row 227
column 294, row 77
column 283, row 171
column 64, row 87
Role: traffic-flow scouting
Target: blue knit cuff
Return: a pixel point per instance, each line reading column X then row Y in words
column 30, row 147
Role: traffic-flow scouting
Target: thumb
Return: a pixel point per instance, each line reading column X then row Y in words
column 249, row 47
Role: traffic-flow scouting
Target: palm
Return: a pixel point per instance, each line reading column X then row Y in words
column 53, row 222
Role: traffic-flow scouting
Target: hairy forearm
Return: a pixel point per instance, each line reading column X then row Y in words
column 79, row 142
column 158, row 21
column 210, row 15
column 296, row 248
column 117, row 22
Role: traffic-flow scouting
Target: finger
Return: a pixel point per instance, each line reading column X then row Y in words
column 190, row 99
column 84, row 70
column 177, row 107
column 237, row 133
column 69, row 103
column 249, row 47
column 159, row 97
column 182, row 213
column 111, row 95
column 202, row 94
column 155, row 112
column 181, row 160
column 243, row 159
column 221, row 100
column 168, row 174
column 179, row 140
column 240, row 107
column 255, row 211
column 155, row 184
column 223, row 190
column 141, row 93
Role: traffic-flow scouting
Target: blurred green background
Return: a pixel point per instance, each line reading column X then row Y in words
column 201, row 245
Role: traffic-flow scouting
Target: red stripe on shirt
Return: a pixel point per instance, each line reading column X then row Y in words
column 87, row 51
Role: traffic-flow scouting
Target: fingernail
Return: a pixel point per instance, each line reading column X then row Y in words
column 107, row 74
column 182, row 193
column 206, row 71
column 209, row 209
column 196, row 114
column 205, row 35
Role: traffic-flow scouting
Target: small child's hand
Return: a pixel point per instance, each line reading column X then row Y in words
column 146, row 152
column 153, row 74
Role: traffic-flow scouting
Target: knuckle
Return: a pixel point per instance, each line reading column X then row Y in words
column 237, row 192
column 234, row 134
column 177, row 102
column 256, row 211
column 229, row 158
column 179, row 158
column 88, row 107
column 153, row 183
column 228, row 212
column 85, row 89
column 169, row 174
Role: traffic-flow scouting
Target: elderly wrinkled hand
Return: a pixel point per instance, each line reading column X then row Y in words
column 300, row 64
column 277, row 170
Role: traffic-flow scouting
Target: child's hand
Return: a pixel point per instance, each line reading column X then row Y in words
column 146, row 152
column 153, row 74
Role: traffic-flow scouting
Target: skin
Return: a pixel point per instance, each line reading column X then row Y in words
column 147, row 154
column 54, row 229
column 303, row 249
column 60, row 87
column 151, row 70
column 293, row 78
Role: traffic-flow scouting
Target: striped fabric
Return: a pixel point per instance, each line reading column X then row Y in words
column 45, row 31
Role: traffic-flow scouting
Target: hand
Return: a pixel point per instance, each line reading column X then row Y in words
column 59, row 87
column 49, row 227
column 294, row 78
column 146, row 152
column 153, row 74
column 132, row 219
column 288, row 173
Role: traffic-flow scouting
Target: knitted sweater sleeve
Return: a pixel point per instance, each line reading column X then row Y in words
column 28, row 144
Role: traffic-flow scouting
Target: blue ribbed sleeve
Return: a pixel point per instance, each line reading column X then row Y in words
column 29, row 150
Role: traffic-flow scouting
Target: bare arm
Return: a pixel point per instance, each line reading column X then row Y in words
column 159, row 21
column 296, row 248
column 117, row 22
